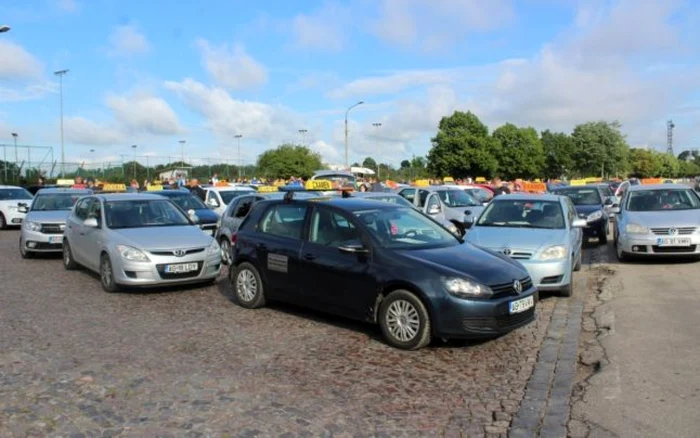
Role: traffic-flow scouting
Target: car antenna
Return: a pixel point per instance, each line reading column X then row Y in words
column 289, row 196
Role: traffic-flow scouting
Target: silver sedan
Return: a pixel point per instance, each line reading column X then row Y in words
column 657, row 220
column 138, row 240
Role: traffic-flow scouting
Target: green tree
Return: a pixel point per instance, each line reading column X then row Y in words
column 405, row 164
column 462, row 148
column 519, row 152
column 644, row 163
column 669, row 166
column 418, row 162
column 289, row 160
column 599, row 147
column 369, row 163
column 558, row 149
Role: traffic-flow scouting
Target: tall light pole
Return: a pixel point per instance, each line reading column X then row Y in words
column 133, row 146
column 182, row 149
column 60, row 74
column 4, row 28
column 303, row 136
column 238, row 137
column 346, row 130
column 379, row 148
column 14, row 135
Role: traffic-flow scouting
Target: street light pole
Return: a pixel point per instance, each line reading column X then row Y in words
column 303, row 136
column 60, row 75
column 133, row 146
column 14, row 135
column 379, row 148
column 238, row 137
column 346, row 130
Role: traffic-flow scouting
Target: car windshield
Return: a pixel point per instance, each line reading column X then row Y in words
column 405, row 228
column 228, row 195
column 186, row 201
column 392, row 200
column 587, row 196
column 341, row 180
column 482, row 195
column 143, row 213
column 55, row 201
column 658, row 200
column 457, row 198
column 523, row 214
column 14, row 194
column 606, row 191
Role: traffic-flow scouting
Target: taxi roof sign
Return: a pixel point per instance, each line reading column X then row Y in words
column 114, row 188
column 268, row 189
column 448, row 179
column 319, row 184
column 65, row 182
column 577, row 182
column 480, row 179
column 153, row 187
column 421, row 183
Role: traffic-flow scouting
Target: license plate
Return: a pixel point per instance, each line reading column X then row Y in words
column 180, row 268
column 522, row 305
column 673, row 241
column 55, row 239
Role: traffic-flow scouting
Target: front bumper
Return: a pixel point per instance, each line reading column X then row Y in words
column 473, row 319
column 549, row 274
column 646, row 246
column 130, row 273
column 35, row 241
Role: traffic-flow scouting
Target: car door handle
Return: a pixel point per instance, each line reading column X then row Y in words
column 310, row 256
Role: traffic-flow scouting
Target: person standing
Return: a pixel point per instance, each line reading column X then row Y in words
column 499, row 188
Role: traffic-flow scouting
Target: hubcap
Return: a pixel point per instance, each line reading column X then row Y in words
column 106, row 273
column 402, row 320
column 246, row 285
column 225, row 251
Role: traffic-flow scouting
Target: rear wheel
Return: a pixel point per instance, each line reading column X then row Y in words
column 248, row 286
column 405, row 321
column 23, row 250
column 107, row 275
column 68, row 263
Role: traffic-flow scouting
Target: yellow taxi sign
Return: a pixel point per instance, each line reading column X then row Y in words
column 534, row 187
column 577, row 182
column 448, row 179
column 154, row 187
column 114, row 188
column 267, row 189
column 65, row 182
column 480, row 179
column 647, row 181
column 318, row 184
column 421, row 183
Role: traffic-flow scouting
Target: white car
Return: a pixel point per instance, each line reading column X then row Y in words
column 10, row 199
column 218, row 198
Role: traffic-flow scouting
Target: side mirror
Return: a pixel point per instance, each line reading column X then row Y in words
column 193, row 216
column 579, row 223
column 435, row 209
column 353, row 247
column 469, row 222
column 22, row 208
column 213, row 203
column 91, row 222
column 609, row 201
column 615, row 209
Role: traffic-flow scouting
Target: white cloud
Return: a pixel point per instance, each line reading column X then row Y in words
column 17, row 62
column 329, row 154
column 26, row 92
column 231, row 68
column 83, row 131
column 126, row 40
column 321, row 30
column 391, row 84
column 67, row 5
column 144, row 114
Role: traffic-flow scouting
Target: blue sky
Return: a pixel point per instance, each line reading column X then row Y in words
column 153, row 73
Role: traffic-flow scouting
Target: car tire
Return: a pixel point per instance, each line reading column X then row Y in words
column 248, row 286
column 404, row 321
column 3, row 222
column 621, row 255
column 225, row 251
column 107, row 275
column 568, row 290
column 603, row 235
column 23, row 250
column 69, row 263
column 577, row 266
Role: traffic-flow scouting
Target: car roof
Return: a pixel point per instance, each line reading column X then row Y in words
column 129, row 197
column 565, row 188
column 348, row 204
column 231, row 189
column 529, row 197
column 63, row 190
column 659, row 187
column 11, row 187
column 171, row 192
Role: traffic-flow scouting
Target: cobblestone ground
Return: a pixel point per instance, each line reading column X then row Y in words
column 75, row 361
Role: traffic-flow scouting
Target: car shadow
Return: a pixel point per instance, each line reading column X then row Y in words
column 147, row 290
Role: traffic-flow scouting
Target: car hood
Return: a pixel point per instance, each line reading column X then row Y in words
column 165, row 238
column 206, row 216
column 585, row 210
column 666, row 218
column 525, row 239
column 458, row 213
column 467, row 260
column 52, row 216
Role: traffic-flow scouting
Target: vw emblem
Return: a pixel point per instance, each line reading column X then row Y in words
column 672, row 231
column 517, row 286
column 179, row 253
column 507, row 251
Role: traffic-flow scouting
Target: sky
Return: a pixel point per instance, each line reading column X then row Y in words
column 152, row 73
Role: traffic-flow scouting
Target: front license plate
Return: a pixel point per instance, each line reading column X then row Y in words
column 673, row 241
column 180, row 268
column 55, row 239
column 522, row 305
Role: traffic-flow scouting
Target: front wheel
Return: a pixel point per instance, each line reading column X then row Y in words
column 68, row 262
column 621, row 255
column 23, row 250
column 3, row 222
column 405, row 321
column 107, row 275
column 248, row 286
column 225, row 251
column 603, row 235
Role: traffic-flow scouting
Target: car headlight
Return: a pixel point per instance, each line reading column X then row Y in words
column 594, row 216
column 131, row 253
column 463, row 288
column 32, row 226
column 636, row 229
column 214, row 248
column 554, row 253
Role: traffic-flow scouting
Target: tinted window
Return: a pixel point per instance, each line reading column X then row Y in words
column 81, row 209
column 331, row 229
column 657, row 200
column 423, row 196
column 243, row 207
column 14, row 194
column 143, row 213
column 228, row 195
column 94, row 210
column 405, row 228
column 587, row 196
column 392, row 200
column 482, row 195
column 409, row 194
column 186, row 201
column 457, row 198
column 283, row 220
column 523, row 214
column 55, row 201
column 606, row 191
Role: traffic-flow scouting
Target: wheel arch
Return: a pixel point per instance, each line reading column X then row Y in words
column 402, row 285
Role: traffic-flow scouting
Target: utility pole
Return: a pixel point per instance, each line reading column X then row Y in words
column 669, row 136
column 133, row 146
column 14, row 135
column 346, row 130
column 379, row 148
column 182, row 149
column 303, row 136
column 240, row 163
column 60, row 75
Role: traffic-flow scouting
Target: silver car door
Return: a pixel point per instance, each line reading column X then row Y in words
column 93, row 237
column 76, row 230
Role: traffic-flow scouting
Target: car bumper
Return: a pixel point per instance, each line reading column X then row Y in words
column 548, row 275
column 469, row 319
column 35, row 241
column 595, row 229
column 646, row 246
column 129, row 273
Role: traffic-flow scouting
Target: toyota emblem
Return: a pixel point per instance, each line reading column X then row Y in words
column 517, row 286
column 672, row 231
column 179, row 253
column 507, row 251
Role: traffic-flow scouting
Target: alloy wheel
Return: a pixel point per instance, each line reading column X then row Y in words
column 246, row 285
column 402, row 320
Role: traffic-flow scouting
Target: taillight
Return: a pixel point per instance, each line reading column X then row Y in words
column 233, row 239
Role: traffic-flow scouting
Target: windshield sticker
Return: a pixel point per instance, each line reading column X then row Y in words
column 276, row 262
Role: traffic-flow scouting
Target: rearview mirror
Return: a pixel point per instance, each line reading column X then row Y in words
column 578, row 223
column 353, row 247
column 91, row 222
column 435, row 209
column 193, row 216
column 22, row 208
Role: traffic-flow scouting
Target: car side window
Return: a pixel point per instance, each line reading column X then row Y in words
column 408, row 194
column 570, row 210
column 283, row 220
column 81, row 208
column 422, row 197
column 211, row 195
column 433, row 202
column 95, row 210
column 331, row 229
column 231, row 208
column 243, row 207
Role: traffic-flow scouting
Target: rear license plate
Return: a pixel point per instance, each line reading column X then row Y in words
column 522, row 305
column 673, row 241
column 55, row 239
column 180, row 268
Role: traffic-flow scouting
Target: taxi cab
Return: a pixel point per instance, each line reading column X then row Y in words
column 378, row 262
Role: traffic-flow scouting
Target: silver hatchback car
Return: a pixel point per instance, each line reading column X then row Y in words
column 138, row 240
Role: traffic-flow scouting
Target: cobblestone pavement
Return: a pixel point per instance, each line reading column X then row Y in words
column 75, row 361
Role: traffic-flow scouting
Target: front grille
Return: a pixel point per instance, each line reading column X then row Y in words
column 51, row 229
column 192, row 274
column 506, row 289
column 498, row 323
column 681, row 231
column 520, row 255
column 669, row 249
column 172, row 252
column 47, row 246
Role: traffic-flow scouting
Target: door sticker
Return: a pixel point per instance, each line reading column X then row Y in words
column 276, row 262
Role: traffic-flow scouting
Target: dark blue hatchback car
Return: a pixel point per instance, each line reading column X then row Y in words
column 381, row 263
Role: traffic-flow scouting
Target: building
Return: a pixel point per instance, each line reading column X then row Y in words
column 173, row 172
